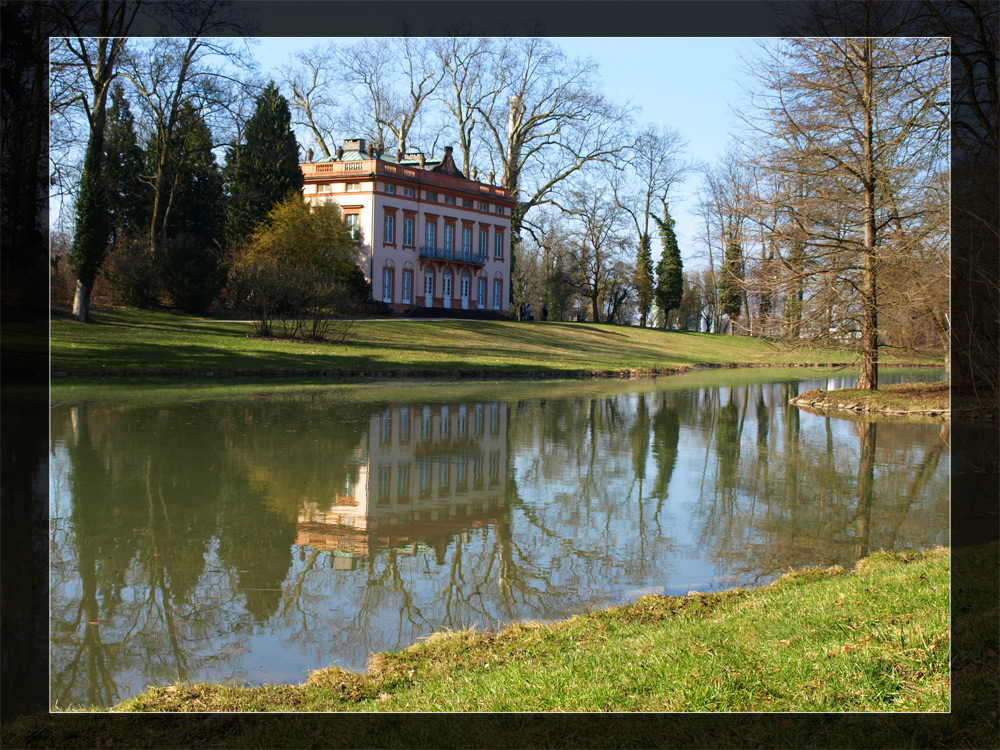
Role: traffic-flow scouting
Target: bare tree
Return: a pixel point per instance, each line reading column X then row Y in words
column 546, row 122
column 312, row 76
column 597, row 243
column 652, row 165
column 84, row 70
column 859, row 120
column 469, row 85
column 390, row 82
column 167, row 74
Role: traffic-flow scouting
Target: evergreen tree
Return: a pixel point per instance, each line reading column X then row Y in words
column 93, row 226
column 264, row 169
column 191, row 264
column 123, row 161
column 730, row 297
column 643, row 280
column 670, row 269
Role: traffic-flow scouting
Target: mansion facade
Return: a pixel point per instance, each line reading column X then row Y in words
column 427, row 236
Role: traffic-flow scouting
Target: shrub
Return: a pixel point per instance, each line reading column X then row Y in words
column 298, row 276
column 192, row 273
column 131, row 274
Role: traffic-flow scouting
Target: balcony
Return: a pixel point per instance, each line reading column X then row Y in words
column 453, row 254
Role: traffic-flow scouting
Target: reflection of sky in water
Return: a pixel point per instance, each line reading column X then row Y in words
column 255, row 540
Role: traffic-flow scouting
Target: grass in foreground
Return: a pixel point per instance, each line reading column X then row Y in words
column 135, row 340
column 876, row 639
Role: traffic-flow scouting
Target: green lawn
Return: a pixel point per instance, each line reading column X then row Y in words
column 876, row 639
column 133, row 340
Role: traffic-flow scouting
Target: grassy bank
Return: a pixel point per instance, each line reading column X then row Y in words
column 907, row 399
column 972, row 722
column 876, row 639
column 157, row 344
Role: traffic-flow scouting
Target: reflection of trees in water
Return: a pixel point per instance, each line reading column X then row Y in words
column 829, row 495
column 180, row 536
column 590, row 523
column 140, row 528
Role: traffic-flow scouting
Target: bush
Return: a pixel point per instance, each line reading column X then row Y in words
column 294, row 301
column 193, row 274
column 131, row 274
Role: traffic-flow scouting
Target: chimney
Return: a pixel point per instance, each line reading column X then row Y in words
column 448, row 150
column 355, row 144
column 309, row 155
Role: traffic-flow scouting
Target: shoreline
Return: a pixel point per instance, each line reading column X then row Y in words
column 928, row 401
column 410, row 373
column 466, row 668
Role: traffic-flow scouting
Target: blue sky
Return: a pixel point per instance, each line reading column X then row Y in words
column 686, row 84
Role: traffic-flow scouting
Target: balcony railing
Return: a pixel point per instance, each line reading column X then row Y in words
column 455, row 254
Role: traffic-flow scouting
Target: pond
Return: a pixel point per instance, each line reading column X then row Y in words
column 254, row 536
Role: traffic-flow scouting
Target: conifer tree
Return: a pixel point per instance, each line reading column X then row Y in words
column 670, row 269
column 264, row 169
column 730, row 296
column 643, row 279
column 191, row 263
column 123, row 161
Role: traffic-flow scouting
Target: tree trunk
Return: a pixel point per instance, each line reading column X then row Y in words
column 868, row 379
column 866, row 478
column 81, row 303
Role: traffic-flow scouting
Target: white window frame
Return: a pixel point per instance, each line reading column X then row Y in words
column 353, row 222
column 387, row 285
column 484, row 242
column 430, row 234
column 481, row 294
column 497, row 293
column 407, row 232
column 390, row 189
column 498, row 246
column 466, row 240
column 408, row 192
column 407, row 287
column 449, row 236
column 390, row 229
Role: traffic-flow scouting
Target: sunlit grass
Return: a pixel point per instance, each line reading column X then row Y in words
column 162, row 344
column 875, row 639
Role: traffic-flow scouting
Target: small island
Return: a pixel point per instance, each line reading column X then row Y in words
column 901, row 399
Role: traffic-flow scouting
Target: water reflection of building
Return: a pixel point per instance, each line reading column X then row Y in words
column 425, row 473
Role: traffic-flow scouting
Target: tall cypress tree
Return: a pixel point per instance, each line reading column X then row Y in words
column 643, row 279
column 670, row 269
column 93, row 226
column 264, row 169
column 730, row 298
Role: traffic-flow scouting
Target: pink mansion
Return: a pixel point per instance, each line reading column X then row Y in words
column 427, row 236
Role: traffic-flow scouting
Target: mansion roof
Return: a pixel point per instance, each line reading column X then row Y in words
column 355, row 150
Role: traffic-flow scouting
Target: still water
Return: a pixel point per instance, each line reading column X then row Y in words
column 254, row 537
